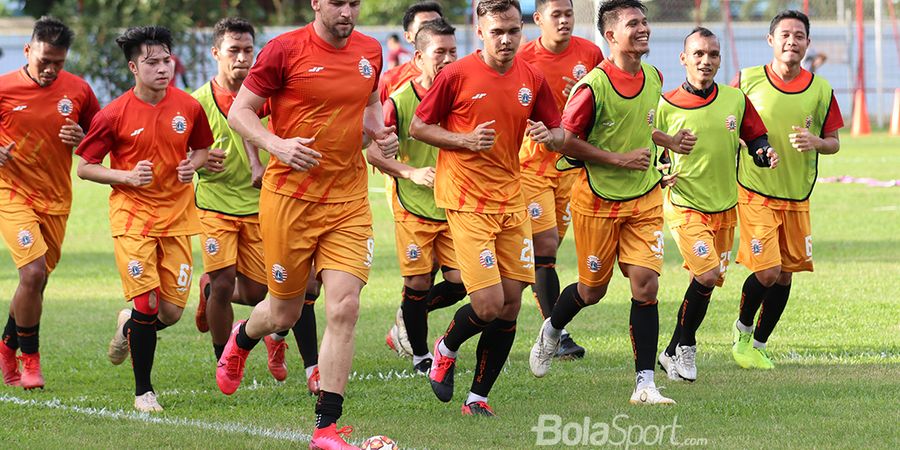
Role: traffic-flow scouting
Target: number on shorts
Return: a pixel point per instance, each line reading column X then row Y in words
column 724, row 259
column 567, row 217
column 370, row 251
column 660, row 244
column 808, row 246
column 184, row 275
column 527, row 256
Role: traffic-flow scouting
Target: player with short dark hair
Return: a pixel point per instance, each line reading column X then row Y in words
column 413, row 18
column 44, row 111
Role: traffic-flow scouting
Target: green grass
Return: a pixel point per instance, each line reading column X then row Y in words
column 835, row 386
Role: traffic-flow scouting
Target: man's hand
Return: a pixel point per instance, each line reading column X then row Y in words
column 668, row 179
column 683, row 142
column 387, row 141
column 802, row 140
column 538, row 132
column 216, row 160
column 186, row 171
column 423, row 176
column 637, row 159
column 295, row 153
column 6, row 153
column 71, row 133
column 766, row 155
column 570, row 83
column 141, row 175
column 257, row 171
column 481, row 138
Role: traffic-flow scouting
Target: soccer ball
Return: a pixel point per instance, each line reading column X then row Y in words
column 379, row 443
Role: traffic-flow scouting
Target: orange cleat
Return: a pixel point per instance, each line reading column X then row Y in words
column 200, row 317
column 329, row 438
column 441, row 374
column 277, row 365
column 31, row 371
column 230, row 370
column 9, row 365
column 312, row 383
column 478, row 409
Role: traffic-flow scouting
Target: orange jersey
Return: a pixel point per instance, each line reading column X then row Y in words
column 395, row 78
column 131, row 130
column 574, row 62
column 319, row 91
column 467, row 93
column 39, row 173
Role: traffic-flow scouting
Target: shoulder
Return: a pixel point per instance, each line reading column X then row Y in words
column 585, row 44
column 366, row 43
column 203, row 92
column 527, row 50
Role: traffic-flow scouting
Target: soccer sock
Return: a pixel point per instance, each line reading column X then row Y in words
column 243, row 341
column 329, row 408
column 444, row 294
column 309, row 370
column 568, row 305
column 28, row 338
column 473, row 397
column 418, row 359
column 644, row 378
column 279, row 335
column 160, row 325
column 464, row 325
column 141, row 334
column 218, row 349
column 751, row 297
column 305, row 333
column 493, row 349
column 676, row 334
column 696, row 302
column 10, row 338
column 546, row 284
column 644, row 327
column 772, row 307
column 415, row 317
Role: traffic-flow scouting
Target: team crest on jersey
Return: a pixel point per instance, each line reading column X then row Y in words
column 808, row 122
column 535, row 210
column 756, row 246
column 413, row 252
column 179, row 124
column 65, row 107
column 579, row 71
column 525, row 96
column 135, row 268
column 651, row 117
column 279, row 273
column 212, row 246
column 487, row 259
column 365, row 68
column 701, row 249
column 593, row 264
column 731, row 123
column 25, row 238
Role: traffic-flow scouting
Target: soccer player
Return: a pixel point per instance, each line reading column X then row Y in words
column 321, row 81
column 44, row 111
column 413, row 18
column 157, row 136
column 477, row 112
column 800, row 112
column 700, row 208
column 564, row 59
column 420, row 226
column 617, row 200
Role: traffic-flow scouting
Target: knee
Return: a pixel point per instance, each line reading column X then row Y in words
column 488, row 311
column 313, row 287
column 33, row 275
column 591, row 294
column 221, row 284
column 284, row 320
column 785, row 278
column 768, row 277
column 418, row 282
column 708, row 279
column 453, row 276
column 645, row 288
column 169, row 313
column 343, row 311
column 546, row 243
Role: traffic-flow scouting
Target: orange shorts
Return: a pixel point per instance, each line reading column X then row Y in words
column 232, row 241
column 548, row 201
column 491, row 246
column 704, row 240
column 148, row 262
column 636, row 239
column 771, row 237
column 297, row 233
column 419, row 242
column 30, row 234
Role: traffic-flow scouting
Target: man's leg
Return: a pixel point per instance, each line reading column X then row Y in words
column 27, row 305
column 219, row 314
column 415, row 317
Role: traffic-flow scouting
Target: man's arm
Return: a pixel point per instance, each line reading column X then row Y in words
column 256, row 168
column 373, row 126
column 575, row 147
column 423, row 176
column 141, row 175
column 803, row 141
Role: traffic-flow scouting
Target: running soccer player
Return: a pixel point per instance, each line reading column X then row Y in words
column 321, row 81
column 413, row 18
column 700, row 208
column 477, row 112
column 564, row 59
column 157, row 136
column 420, row 226
column 617, row 200
column 44, row 111
column 800, row 112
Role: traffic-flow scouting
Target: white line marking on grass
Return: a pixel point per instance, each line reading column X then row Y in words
column 222, row 427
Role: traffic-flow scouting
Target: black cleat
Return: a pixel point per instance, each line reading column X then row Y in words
column 568, row 349
column 423, row 367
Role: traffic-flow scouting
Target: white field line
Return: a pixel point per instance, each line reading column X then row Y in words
column 221, row 427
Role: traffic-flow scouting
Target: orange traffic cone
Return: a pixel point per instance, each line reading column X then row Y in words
column 895, row 114
column 860, row 125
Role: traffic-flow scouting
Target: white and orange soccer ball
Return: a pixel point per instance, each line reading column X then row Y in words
column 379, row 443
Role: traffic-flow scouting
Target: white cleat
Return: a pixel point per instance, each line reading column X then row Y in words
column 118, row 345
column 401, row 339
column 147, row 403
column 686, row 362
column 649, row 396
column 668, row 366
column 542, row 352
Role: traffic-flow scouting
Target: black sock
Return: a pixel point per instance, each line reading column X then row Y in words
column 493, row 349
column 415, row 317
column 772, row 307
column 444, row 294
column 566, row 307
column 546, row 284
column 243, row 341
column 10, row 338
column 751, row 297
column 160, row 325
column 283, row 333
column 218, row 349
column 28, row 338
column 329, row 408
column 696, row 302
column 676, row 334
column 141, row 334
column 305, row 333
column 644, row 326
column 465, row 324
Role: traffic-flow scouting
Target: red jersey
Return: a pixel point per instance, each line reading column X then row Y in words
column 395, row 78
column 39, row 172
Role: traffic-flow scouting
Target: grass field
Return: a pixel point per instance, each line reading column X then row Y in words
column 837, row 352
